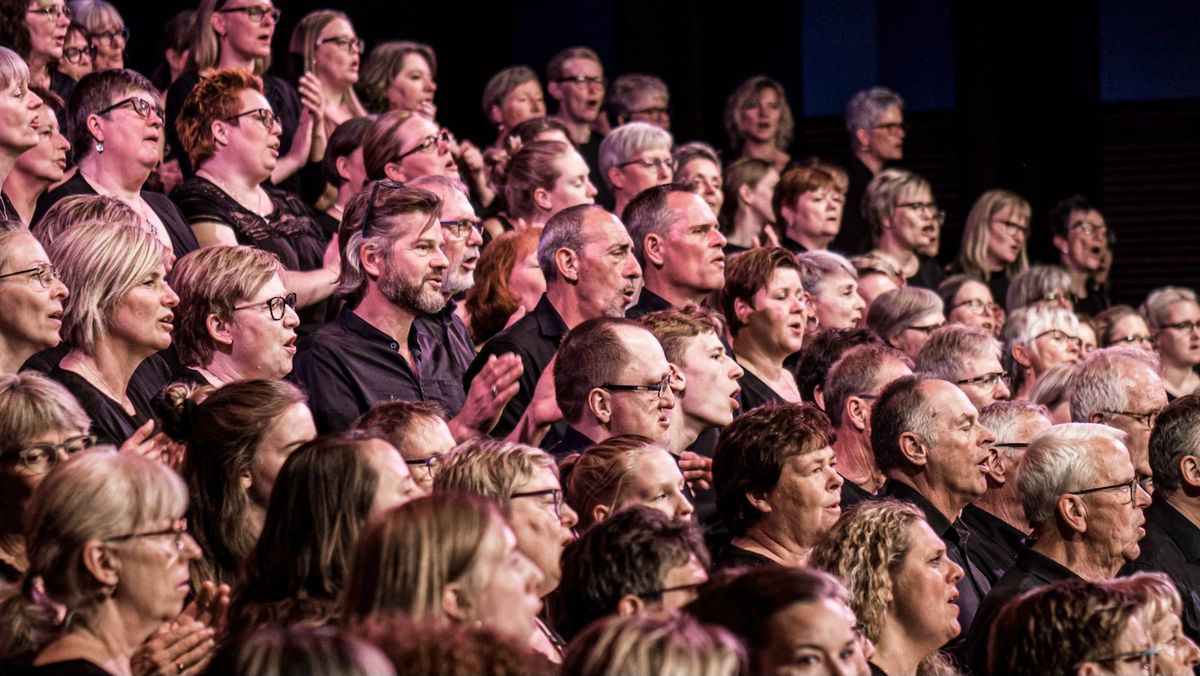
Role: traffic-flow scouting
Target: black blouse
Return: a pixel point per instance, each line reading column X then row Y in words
column 110, row 423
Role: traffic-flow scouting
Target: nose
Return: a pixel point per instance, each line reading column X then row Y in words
column 59, row 290
column 590, row 191
column 1143, row 498
column 538, row 109
column 986, row 438
column 737, row 371
column 1002, row 391
column 632, row 269
column 191, row 550
column 440, row 261
column 719, row 240
column 683, row 508
column 290, row 318
column 954, row 573
column 835, row 480
column 665, row 172
column 170, row 299
column 567, row 516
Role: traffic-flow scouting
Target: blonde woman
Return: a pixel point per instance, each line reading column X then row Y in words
column 1036, row 339
column 1159, row 609
column 325, row 44
column 995, row 239
column 653, row 646
column 106, row 31
column 759, row 121
column 20, row 106
column 31, row 298
column 1174, row 319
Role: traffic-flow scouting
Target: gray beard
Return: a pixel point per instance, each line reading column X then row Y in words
column 456, row 283
column 410, row 297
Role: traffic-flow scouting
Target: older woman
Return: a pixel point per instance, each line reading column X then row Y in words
column 697, row 164
column 905, row 221
column 116, row 129
column 808, row 203
column 633, row 157
column 400, row 76
column 1159, row 610
column 905, row 317
column 832, row 287
column 445, row 558
column 42, row 165
column 969, row 302
column 323, row 496
column 541, row 179
column 1047, row 285
column 994, row 240
column 41, row 424
column 106, row 31
column 639, row 97
column 508, row 283
column 764, row 302
column 231, row 135
column 654, row 646
column 324, row 43
column 1123, row 326
column 235, row 318
column 511, row 97
column 747, row 214
column 621, row 471
column 777, row 490
column 902, row 584
column 759, row 121
column 1174, row 318
column 1037, row 339
column 31, row 298
column 79, row 56
column 19, row 108
column 120, row 315
column 35, row 31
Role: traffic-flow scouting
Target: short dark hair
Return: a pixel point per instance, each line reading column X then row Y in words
column 747, row 274
column 750, row 455
column 344, row 140
column 821, row 351
column 856, row 372
column 1060, row 215
column 592, row 354
column 398, row 420
column 901, row 407
column 94, row 92
column 1175, row 435
column 648, row 213
column 630, row 552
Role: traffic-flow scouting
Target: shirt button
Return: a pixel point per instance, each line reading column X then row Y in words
column 395, row 346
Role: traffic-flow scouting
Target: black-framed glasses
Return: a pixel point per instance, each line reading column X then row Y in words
column 1186, row 327
column 255, row 14
column 928, row 208
column 892, row 127
column 110, row 36
column 54, row 12
column 555, row 493
column 139, row 105
column 691, row 586
column 661, row 388
column 428, row 465
column 992, row 380
column 1062, row 337
column 585, row 80
column 976, row 306
column 1148, row 418
column 345, row 43
column 44, row 273
column 1015, row 228
column 428, row 143
column 76, row 54
column 1133, row 338
column 1011, row 444
column 926, row 329
column 265, row 116
column 1145, row 659
column 1056, row 296
column 41, row 458
column 277, row 306
column 179, row 532
column 460, row 228
column 1132, row 486
column 1147, row 483
column 382, row 183
column 654, row 165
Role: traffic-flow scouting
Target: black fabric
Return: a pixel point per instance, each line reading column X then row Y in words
column 449, row 328
column 1097, row 300
column 993, row 543
column 733, row 556
column 755, row 392
column 66, row 668
column 854, row 237
column 792, row 245
column 590, row 152
column 998, row 285
column 852, row 494
column 648, row 302
column 183, row 241
column 571, row 441
column 64, row 86
column 1172, row 546
column 733, row 249
column 928, row 275
column 348, row 366
column 110, row 423
column 328, row 224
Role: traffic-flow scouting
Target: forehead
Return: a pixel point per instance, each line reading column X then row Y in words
column 581, row 66
column 890, row 115
column 542, row 478
column 922, row 538
column 1182, row 309
column 703, row 343
column 950, row 402
column 914, row 193
column 1091, row 216
column 338, row 26
column 601, row 227
column 454, row 203
column 1112, row 457
column 414, row 61
column 973, row 290
column 644, row 347
column 417, row 126
column 249, row 98
column 783, row 278
column 691, row 208
column 571, row 163
column 413, row 226
column 699, row 165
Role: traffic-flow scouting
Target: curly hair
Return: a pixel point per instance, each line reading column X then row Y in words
column 215, row 97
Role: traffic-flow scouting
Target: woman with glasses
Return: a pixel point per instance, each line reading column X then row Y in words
column 905, row 318
column 759, row 121
column 42, row 165
column 1174, row 318
column 969, row 302
column 106, row 31
column 1123, row 326
column 79, row 56
column 325, row 493
column 31, row 298
column 35, row 30
column 231, row 134
column 905, row 224
column 41, row 424
column 624, row 470
column 1037, row 339
column 994, row 240
column 1159, row 609
column 116, row 132
column 418, row 430
column 832, row 287
column 324, row 43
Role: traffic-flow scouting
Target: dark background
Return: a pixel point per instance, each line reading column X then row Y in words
column 1046, row 98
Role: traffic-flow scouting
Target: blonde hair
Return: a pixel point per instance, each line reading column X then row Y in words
column 490, row 468
column 972, row 257
column 206, row 44
column 12, row 69
column 597, row 475
column 78, row 209
column 96, row 14
column 1154, row 309
column 1157, row 599
column 31, row 405
column 884, row 192
column 642, row 644
column 302, row 49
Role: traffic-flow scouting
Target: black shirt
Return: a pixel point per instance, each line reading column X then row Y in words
column 733, row 556
column 348, row 366
column 448, row 327
column 755, row 392
column 854, row 237
column 994, row 543
column 792, row 245
column 1172, row 546
column 110, row 423
column 572, row 441
column 648, row 302
column 65, row 668
column 928, row 275
column 852, row 494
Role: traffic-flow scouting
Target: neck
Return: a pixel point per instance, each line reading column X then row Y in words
column 12, row 357
column 230, row 59
column 747, row 227
column 950, row 504
column 567, row 304
column 255, row 516
column 108, row 640
column 1078, row 554
column 591, row 428
column 810, row 242
column 227, row 175
column 112, row 177
column 895, row 651
column 1187, row 505
column 685, row 430
column 674, row 295
column 225, row 370
column 579, row 131
column 7, row 161
column 343, row 198
column 774, row 543
column 113, row 363
column 765, row 361
column 992, row 264
column 1175, row 375
column 902, row 257
column 620, row 202
column 39, row 70
column 1004, row 503
column 385, row 315
column 1079, row 278
column 871, row 162
column 762, row 150
column 855, row 460
column 24, row 190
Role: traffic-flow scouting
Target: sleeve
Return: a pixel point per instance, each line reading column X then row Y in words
column 528, row 381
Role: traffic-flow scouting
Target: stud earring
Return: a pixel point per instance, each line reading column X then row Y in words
column 100, row 146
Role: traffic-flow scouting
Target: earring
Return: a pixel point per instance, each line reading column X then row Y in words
column 100, row 146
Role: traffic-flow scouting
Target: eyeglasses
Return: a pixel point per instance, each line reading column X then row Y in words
column 585, row 80
column 41, row 458
column 661, row 388
column 140, row 106
column 992, row 380
column 926, row 329
column 892, row 127
column 460, row 228
column 926, row 208
column 366, row 219
column 265, row 116
column 655, row 165
column 178, row 531
column 1148, row 419
column 692, row 586
column 276, row 306
column 111, row 36
column 255, row 14
column 976, row 306
column 1147, row 484
column 1015, row 228
column 656, row 113
column 427, row 464
column 1062, row 337
column 45, row 274
column 555, row 493
column 1145, row 659
column 1056, row 296
column 76, row 54
column 1134, row 338
column 346, row 44
column 1186, row 327
column 54, row 11
column 1011, row 444
column 428, row 143
column 1132, row 485
column 1089, row 228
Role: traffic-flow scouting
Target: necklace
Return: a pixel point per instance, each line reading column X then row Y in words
column 101, row 384
column 258, row 194
column 136, row 203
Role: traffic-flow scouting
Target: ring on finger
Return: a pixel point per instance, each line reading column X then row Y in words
column 179, row 667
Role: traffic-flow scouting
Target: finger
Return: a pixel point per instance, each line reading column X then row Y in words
column 191, row 643
column 195, row 655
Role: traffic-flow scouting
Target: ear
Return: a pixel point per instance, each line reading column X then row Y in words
column 496, row 114
column 913, row 449
column 567, row 262
column 742, row 309
column 1096, row 417
column 1088, row 669
column 744, row 193
column 371, row 257
column 342, row 165
column 245, row 480
column 615, row 178
column 101, row 563
column 1189, row 471
column 217, row 21
column 1061, row 244
column 541, row 197
column 394, row 172
column 1072, row 511
column 758, row 500
column 863, row 137
column 653, row 247
column 1020, row 354
column 599, row 405
column 219, row 132
column 599, row 513
column 787, row 213
column 219, row 329
column 819, row 397
column 93, row 127
column 630, row 605
column 455, row 603
column 555, row 90
column 857, row 413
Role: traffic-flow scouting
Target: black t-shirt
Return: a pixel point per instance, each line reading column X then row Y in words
column 110, row 422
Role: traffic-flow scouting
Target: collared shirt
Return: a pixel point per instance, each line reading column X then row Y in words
column 348, row 366
column 1172, row 546
column 648, row 302
column 449, row 328
column 852, row 494
column 572, row 441
column 994, row 542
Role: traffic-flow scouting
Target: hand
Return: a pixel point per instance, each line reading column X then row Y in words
column 471, row 156
column 697, row 469
column 210, row 607
column 493, row 387
column 144, row 442
column 182, row 647
column 312, row 97
column 543, row 406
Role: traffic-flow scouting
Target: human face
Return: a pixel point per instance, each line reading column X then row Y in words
column 1052, row 348
column 1087, row 239
column 1145, row 394
column 32, row 314
column 1113, row 522
column 142, row 317
column 872, row 286
column 651, row 107
column 77, row 42
column 413, row 87
column 245, row 39
column 924, row 590
column 19, row 118
column 692, row 252
column 1006, row 462
column 608, row 275
column 18, row 482
column 336, row 65
column 415, row 266
column 396, row 485
column 504, row 586
column 431, row 438
column 154, row 578
column 1132, row 639
column 815, row 218
column 109, row 41
column 132, row 138
column 47, row 32
column 1179, row 654
column 524, row 102
column 912, row 228
column 982, row 394
column 573, row 186
column 632, row 176
column 48, row 159
column 779, row 313
column 641, row 412
column 1179, row 345
column 912, row 339
column 286, row 433
column 1088, row 336
column 542, row 530
column 711, row 375
column 838, row 305
column 435, row 161
column 527, row 281
column 958, row 462
column 579, row 102
column 973, row 305
column 812, row 638
column 887, row 135
column 655, row 481
column 807, row 498
column 758, row 198
column 683, row 581
column 1130, row 331
column 759, row 119
column 1007, row 232
column 706, row 178
column 261, row 346
column 462, row 252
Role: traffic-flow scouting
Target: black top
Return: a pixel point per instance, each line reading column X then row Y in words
column 1172, row 546
column 590, row 152
column 534, row 338
column 875, row 670
column 449, row 329
column 348, row 366
column 852, row 494
column 1097, row 300
column 854, row 237
column 928, row 275
column 183, row 241
column 63, row 85
column 792, row 245
column 733, row 249
column 328, row 224
column 755, row 392
column 993, row 542
column 998, row 283
column 571, row 441
column 648, row 302
column 67, row 668
column 733, row 556
column 110, row 423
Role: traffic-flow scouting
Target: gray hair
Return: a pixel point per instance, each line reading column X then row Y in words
column 12, row 68
column 897, row 309
column 865, row 107
column 95, row 92
column 649, row 214
column 627, row 140
column 1053, row 387
column 628, row 87
column 1176, row 434
column 1061, row 459
column 1097, row 383
column 564, row 230
column 695, row 150
column 816, row 266
column 1030, row 286
column 1154, row 310
column 857, row 372
column 942, row 355
column 1026, row 324
column 885, row 191
column 1001, row 417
